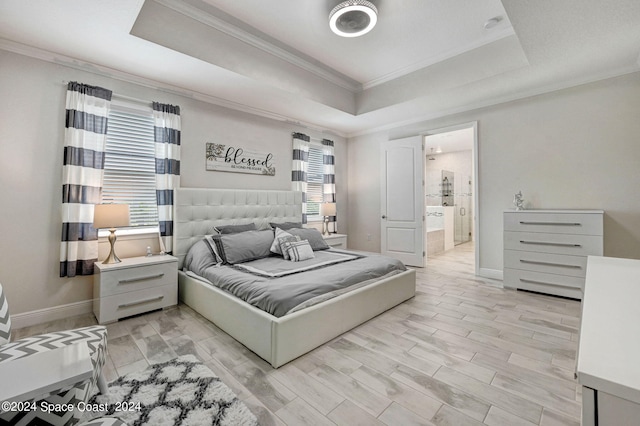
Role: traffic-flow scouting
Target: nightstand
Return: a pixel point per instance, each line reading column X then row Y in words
column 338, row 241
column 134, row 286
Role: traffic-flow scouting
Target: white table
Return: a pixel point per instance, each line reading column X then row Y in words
column 41, row 373
column 609, row 350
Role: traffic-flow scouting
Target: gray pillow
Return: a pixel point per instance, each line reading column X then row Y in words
column 234, row 229
column 312, row 235
column 199, row 257
column 286, row 225
column 244, row 246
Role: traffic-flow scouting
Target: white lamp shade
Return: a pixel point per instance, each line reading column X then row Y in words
column 328, row 209
column 110, row 216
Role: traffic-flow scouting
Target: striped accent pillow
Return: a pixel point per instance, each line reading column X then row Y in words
column 298, row 250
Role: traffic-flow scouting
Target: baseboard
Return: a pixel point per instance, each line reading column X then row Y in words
column 40, row 316
column 494, row 274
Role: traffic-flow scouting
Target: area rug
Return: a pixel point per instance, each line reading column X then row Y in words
column 182, row 391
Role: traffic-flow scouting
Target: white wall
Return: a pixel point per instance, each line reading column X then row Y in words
column 574, row 148
column 31, row 146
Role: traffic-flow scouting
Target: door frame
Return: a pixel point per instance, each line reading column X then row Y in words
column 476, row 195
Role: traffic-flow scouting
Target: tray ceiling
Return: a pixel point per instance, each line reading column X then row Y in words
column 424, row 59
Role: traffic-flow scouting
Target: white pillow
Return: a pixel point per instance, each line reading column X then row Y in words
column 278, row 242
column 298, row 250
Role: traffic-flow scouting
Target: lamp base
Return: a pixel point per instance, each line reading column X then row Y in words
column 325, row 226
column 112, row 258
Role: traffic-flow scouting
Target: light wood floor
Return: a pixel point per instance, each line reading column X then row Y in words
column 462, row 352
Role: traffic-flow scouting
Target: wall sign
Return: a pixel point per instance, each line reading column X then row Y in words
column 227, row 158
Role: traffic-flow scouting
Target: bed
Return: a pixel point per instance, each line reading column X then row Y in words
column 277, row 340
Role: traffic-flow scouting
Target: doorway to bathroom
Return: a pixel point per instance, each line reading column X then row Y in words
column 450, row 188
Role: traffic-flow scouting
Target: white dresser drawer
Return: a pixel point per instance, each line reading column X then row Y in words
column 575, row 266
column 555, row 223
column 137, row 278
column 111, row 308
column 577, row 245
column 561, row 285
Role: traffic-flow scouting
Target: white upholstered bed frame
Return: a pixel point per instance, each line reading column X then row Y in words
column 276, row 340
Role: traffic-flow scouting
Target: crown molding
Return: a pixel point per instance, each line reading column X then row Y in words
column 575, row 82
column 78, row 64
column 252, row 40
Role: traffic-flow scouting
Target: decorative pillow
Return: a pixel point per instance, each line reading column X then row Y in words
column 286, row 225
column 244, row 246
column 234, row 229
column 298, row 250
column 312, row 235
column 276, row 247
column 201, row 256
column 213, row 248
column 283, row 240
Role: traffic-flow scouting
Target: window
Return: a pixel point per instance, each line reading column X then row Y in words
column 129, row 169
column 315, row 182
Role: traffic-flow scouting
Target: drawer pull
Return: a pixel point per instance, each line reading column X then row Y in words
column 522, row 222
column 547, row 243
column 538, row 262
column 134, row 280
column 140, row 302
column 524, row 280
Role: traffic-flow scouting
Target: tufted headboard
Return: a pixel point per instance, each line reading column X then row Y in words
column 199, row 210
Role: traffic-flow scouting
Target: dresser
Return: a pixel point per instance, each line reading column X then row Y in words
column 134, row 286
column 546, row 250
column 609, row 348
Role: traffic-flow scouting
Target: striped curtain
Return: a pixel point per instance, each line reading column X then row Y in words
column 299, row 168
column 166, row 122
column 87, row 109
column 329, row 181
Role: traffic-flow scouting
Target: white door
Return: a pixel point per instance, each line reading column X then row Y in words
column 402, row 200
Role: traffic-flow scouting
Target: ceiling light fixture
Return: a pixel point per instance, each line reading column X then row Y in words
column 353, row 18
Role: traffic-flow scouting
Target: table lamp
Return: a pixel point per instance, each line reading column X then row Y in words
column 326, row 210
column 111, row 216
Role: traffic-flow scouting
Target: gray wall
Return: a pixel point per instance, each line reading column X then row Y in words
column 31, row 145
column 576, row 148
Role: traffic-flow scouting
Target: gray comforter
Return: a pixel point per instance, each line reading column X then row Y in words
column 283, row 294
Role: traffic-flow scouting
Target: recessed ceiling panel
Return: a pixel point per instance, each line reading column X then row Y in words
column 411, row 33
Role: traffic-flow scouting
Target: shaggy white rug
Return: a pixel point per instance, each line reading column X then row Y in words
column 182, row 391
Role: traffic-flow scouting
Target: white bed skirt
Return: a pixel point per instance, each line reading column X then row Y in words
column 280, row 340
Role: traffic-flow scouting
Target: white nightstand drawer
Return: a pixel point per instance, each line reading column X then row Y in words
column 578, row 245
column 336, row 240
column 111, row 308
column 575, row 266
column 131, row 279
column 555, row 223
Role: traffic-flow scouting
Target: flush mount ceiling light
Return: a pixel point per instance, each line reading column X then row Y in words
column 353, row 18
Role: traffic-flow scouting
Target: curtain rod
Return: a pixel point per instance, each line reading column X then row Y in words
column 118, row 96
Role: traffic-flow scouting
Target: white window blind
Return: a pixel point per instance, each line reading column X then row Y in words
column 129, row 170
column 315, row 182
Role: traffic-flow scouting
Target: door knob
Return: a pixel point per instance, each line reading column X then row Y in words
column 384, row 217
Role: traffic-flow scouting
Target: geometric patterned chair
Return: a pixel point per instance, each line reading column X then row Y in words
column 96, row 340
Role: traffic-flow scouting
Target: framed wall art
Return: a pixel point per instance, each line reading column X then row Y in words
column 228, row 158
